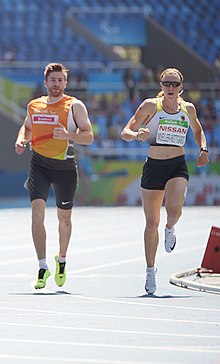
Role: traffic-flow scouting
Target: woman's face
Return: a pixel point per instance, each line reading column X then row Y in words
column 171, row 85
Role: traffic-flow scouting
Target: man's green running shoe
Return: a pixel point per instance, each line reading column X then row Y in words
column 43, row 274
column 60, row 275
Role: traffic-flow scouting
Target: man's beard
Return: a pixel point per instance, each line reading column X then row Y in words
column 55, row 92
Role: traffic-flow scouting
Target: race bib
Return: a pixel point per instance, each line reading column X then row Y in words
column 172, row 132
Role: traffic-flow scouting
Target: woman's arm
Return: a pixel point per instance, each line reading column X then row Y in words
column 199, row 135
column 142, row 116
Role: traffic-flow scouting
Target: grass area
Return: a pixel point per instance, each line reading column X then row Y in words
column 18, row 92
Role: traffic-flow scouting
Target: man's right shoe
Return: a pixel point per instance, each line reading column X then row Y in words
column 60, row 275
column 150, row 285
column 43, row 274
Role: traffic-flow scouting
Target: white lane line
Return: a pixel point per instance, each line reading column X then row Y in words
column 100, row 248
column 124, row 261
column 148, row 304
column 126, row 332
column 83, row 276
column 78, row 251
column 18, row 260
column 71, row 360
column 49, row 312
column 182, row 348
column 106, row 265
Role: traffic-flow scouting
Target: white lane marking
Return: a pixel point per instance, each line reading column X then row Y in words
column 149, row 304
column 69, row 360
column 132, row 332
column 110, row 264
column 78, row 251
column 120, row 262
column 182, row 348
column 49, row 312
column 83, row 276
column 99, row 248
column 18, row 260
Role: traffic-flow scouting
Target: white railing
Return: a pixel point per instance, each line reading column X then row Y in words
column 10, row 108
column 140, row 153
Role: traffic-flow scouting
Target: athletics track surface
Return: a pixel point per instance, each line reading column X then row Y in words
column 102, row 315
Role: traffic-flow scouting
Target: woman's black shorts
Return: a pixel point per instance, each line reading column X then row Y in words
column 156, row 172
column 45, row 173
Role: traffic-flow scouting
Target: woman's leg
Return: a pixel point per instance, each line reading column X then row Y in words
column 175, row 191
column 152, row 201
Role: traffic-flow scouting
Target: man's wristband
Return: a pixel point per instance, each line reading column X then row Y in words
column 204, row 149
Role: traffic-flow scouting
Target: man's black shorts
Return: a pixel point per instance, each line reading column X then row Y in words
column 45, row 172
column 156, row 172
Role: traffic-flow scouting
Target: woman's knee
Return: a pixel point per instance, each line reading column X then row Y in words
column 152, row 226
column 174, row 211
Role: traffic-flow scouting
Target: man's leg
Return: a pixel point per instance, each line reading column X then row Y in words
column 38, row 228
column 65, row 228
column 39, row 238
column 64, row 184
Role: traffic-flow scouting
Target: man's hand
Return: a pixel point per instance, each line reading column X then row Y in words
column 60, row 132
column 20, row 146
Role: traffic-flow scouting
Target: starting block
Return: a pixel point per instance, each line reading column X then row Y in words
column 207, row 277
column 211, row 259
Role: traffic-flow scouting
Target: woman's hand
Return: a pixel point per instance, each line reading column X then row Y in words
column 202, row 159
column 143, row 134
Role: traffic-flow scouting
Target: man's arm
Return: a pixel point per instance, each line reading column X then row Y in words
column 24, row 136
column 84, row 134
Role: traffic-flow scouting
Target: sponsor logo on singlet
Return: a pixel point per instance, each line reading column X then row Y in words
column 172, row 132
column 45, row 119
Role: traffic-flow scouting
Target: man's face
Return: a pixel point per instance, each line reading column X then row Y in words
column 55, row 84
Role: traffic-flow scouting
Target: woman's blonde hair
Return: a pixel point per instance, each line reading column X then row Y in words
column 170, row 70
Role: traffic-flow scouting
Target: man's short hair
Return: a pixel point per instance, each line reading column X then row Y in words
column 55, row 67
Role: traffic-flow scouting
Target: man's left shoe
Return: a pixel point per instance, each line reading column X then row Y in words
column 170, row 239
column 60, row 275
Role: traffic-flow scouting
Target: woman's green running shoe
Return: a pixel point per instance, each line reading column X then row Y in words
column 60, row 275
column 43, row 274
